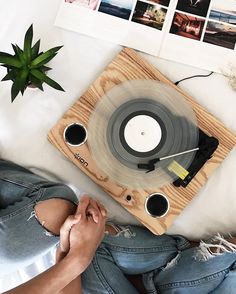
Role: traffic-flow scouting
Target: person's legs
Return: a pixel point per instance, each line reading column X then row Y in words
column 228, row 285
column 103, row 276
column 168, row 264
column 199, row 270
column 9, row 193
column 21, row 236
column 134, row 250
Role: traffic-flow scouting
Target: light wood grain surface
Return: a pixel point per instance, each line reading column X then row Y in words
column 128, row 65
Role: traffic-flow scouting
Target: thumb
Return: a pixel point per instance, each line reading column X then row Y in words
column 65, row 231
column 83, row 205
column 70, row 221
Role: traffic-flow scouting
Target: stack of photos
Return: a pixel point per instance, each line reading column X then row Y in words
column 150, row 13
column 221, row 30
column 210, row 21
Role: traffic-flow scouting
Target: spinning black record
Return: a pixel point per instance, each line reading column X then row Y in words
column 138, row 121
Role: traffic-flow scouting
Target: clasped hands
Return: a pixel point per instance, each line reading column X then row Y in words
column 81, row 233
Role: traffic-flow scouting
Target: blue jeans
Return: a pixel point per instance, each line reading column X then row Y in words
column 22, row 238
column 167, row 264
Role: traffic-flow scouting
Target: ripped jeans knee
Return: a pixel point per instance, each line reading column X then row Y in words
column 206, row 250
column 215, row 246
column 46, row 232
column 118, row 230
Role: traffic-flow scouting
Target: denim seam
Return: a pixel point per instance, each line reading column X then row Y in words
column 40, row 194
column 193, row 283
column 101, row 277
column 31, row 186
column 141, row 250
column 20, row 210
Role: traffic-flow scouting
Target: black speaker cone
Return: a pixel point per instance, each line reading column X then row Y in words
column 157, row 205
column 75, row 134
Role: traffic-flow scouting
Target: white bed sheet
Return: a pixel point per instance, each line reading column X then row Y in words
column 25, row 123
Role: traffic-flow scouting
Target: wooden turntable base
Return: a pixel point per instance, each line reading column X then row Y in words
column 128, row 65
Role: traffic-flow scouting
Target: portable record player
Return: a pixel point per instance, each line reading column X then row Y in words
column 145, row 142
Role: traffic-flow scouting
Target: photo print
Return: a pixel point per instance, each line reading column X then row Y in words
column 92, row 4
column 149, row 15
column 161, row 2
column 118, row 8
column 198, row 7
column 187, row 26
column 220, row 34
column 224, row 11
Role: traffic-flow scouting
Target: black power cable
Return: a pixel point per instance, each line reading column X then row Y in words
column 195, row 76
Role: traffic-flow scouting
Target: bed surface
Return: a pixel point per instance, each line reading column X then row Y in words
column 25, row 123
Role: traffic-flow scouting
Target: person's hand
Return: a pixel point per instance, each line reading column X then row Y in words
column 86, row 235
column 93, row 210
column 64, row 245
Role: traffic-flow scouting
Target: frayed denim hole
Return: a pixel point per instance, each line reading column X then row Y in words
column 45, row 231
column 37, row 201
column 121, row 231
column 219, row 243
column 173, row 262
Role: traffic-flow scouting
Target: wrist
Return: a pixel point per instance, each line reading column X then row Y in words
column 77, row 261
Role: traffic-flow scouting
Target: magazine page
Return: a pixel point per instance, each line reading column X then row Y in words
column 132, row 23
column 202, row 33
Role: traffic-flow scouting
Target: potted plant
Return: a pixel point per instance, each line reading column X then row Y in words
column 26, row 67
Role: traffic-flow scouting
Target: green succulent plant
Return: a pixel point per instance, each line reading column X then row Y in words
column 27, row 66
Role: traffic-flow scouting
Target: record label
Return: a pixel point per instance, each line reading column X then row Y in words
column 142, row 133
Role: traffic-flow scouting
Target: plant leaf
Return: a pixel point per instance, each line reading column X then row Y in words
column 28, row 42
column 45, row 61
column 36, row 82
column 44, row 68
column 22, row 91
column 7, row 66
column 10, row 60
column 35, row 49
column 19, row 84
column 14, row 92
column 44, row 78
column 48, row 55
column 11, row 75
column 21, row 54
column 14, row 48
column 7, row 77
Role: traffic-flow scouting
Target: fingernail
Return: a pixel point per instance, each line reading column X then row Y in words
column 104, row 213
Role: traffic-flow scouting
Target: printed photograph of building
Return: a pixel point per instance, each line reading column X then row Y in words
column 187, row 26
column 149, row 15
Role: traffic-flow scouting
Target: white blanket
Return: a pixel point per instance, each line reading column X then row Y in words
column 25, row 123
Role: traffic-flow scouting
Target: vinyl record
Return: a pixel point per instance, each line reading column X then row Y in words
column 136, row 122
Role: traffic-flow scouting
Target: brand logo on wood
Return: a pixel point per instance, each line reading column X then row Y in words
column 81, row 159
